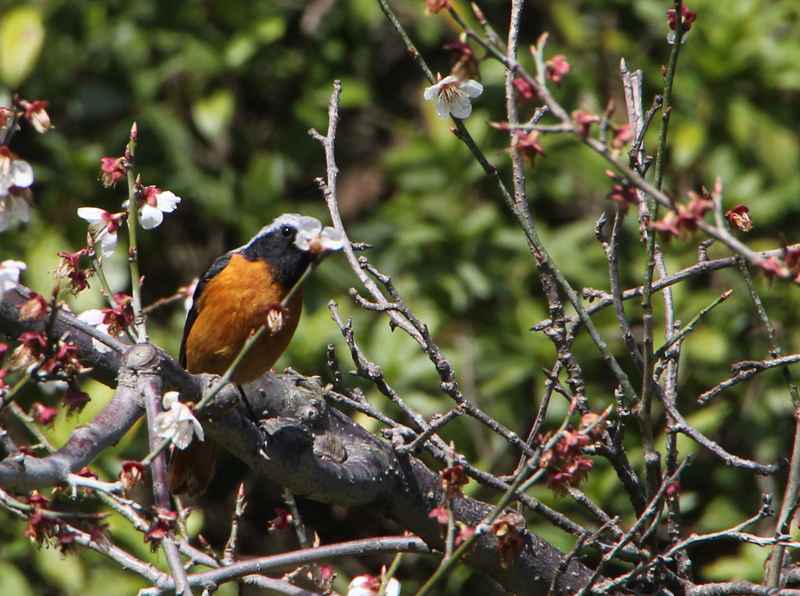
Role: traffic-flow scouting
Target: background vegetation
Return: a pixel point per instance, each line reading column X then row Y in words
column 224, row 94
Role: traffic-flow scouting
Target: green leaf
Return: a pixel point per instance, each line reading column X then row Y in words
column 213, row 114
column 21, row 39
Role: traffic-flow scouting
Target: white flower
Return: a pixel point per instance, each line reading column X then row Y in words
column 9, row 275
column 177, row 422
column 15, row 205
column 452, row 96
column 103, row 227
column 154, row 204
column 13, row 171
column 368, row 585
column 311, row 236
column 95, row 318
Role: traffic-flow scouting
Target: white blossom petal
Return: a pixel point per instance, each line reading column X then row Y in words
column 442, row 108
column 308, row 230
column 150, row 217
column 392, row 588
column 108, row 241
column 368, row 585
column 20, row 209
column 460, row 107
column 177, row 422
column 10, row 271
column 332, row 239
column 5, row 219
column 472, row 88
column 167, row 201
column 170, row 399
column 95, row 318
column 21, row 173
column 91, row 213
column 431, row 92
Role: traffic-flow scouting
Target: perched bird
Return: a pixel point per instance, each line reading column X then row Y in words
column 241, row 292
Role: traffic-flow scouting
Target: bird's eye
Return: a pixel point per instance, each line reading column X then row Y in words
column 286, row 231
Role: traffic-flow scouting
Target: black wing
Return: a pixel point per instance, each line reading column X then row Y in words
column 215, row 268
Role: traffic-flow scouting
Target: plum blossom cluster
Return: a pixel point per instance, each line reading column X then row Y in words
column 564, row 461
column 16, row 174
column 787, row 267
column 370, row 585
column 56, row 360
column 16, row 198
column 150, row 202
column 68, row 270
column 622, row 193
column 682, row 221
column 113, row 321
column 687, row 18
column 45, row 525
column 163, row 524
column 452, row 479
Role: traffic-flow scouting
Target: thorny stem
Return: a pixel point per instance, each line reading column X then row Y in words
column 661, row 352
column 390, row 573
column 230, row 546
column 447, row 563
column 643, row 410
column 101, row 275
column 139, row 321
column 790, row 496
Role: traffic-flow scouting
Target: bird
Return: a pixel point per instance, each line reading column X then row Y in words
column 234, row 297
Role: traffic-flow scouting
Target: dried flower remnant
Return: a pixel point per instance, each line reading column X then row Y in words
column 44, row 415
column 132, row 472
column 772, row 266
column 463, row 60
column 36, row 113
column 161, row 526
column 622, row 136
column 583, row 122
column 739, row 217
column 557, row 67
column 625, row 196
column 75, row 399
column 34, row 309
column 509, row 538
column 434, row 6
column 687, row 18
column 283, row 521
column 528, row 144
column 112, row 170
column 525, row 91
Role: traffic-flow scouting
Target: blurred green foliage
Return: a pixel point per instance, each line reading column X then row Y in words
column 224, row 94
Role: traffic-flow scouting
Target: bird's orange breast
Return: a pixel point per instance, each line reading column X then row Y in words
column 230, row 308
